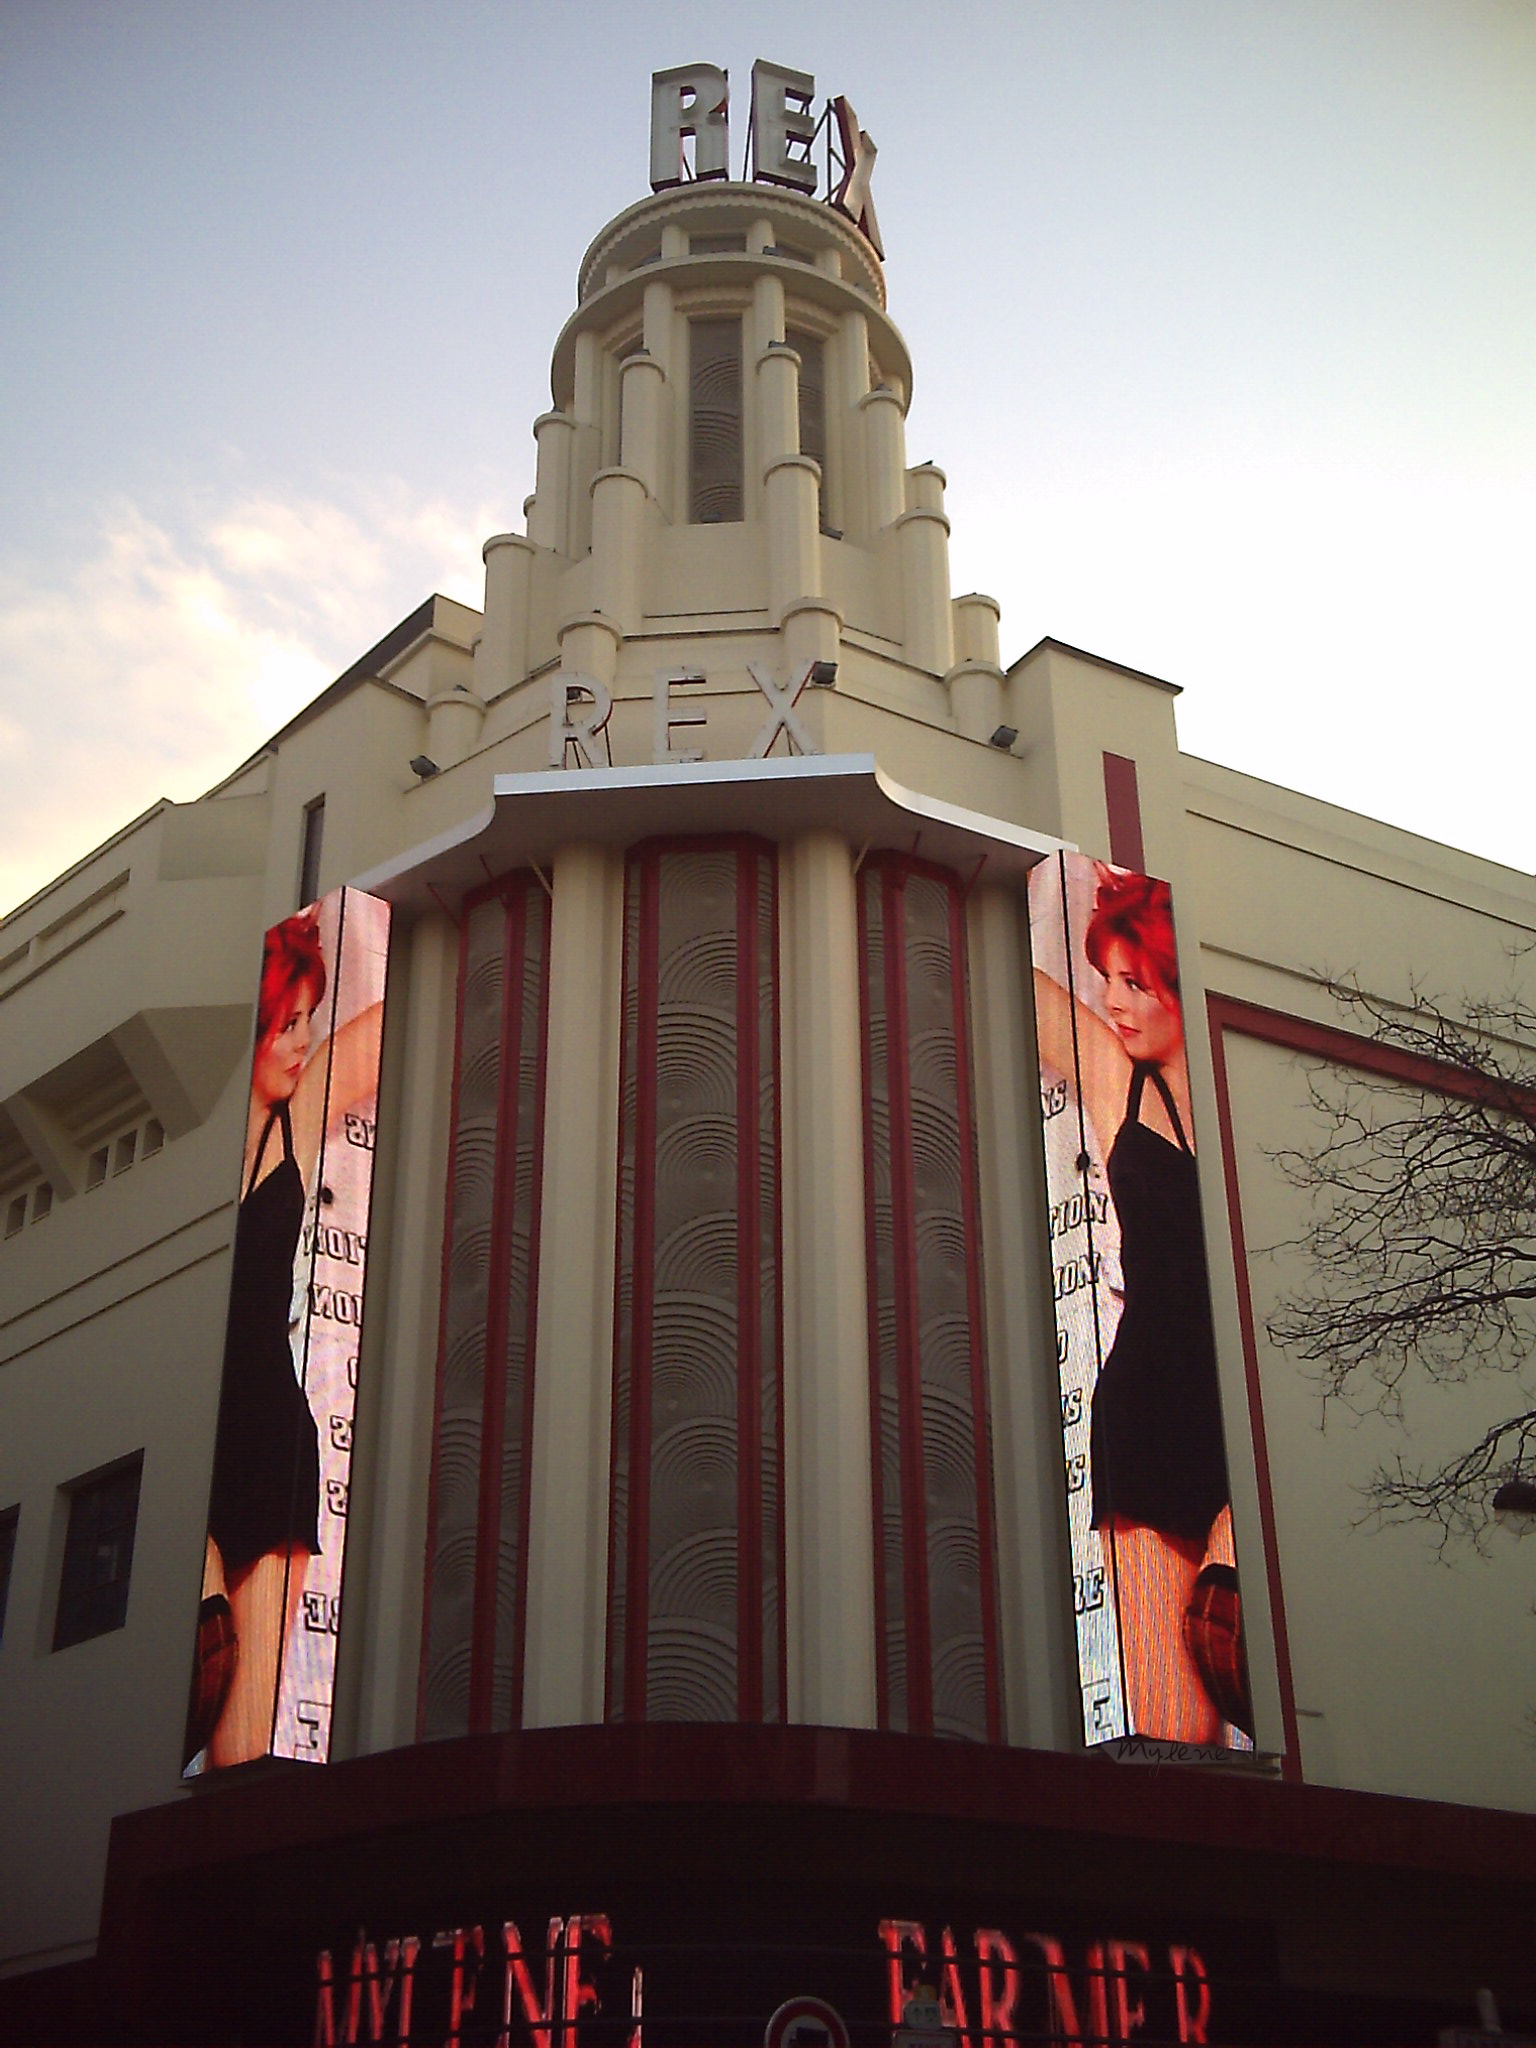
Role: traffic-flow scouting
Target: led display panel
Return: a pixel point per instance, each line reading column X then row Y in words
column 264, row 1668
column 1155, row 1587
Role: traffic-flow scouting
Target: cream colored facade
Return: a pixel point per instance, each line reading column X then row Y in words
column 126, row 990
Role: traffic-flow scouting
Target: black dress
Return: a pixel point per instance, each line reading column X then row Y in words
column 266, row 1458
column 1156, row 1444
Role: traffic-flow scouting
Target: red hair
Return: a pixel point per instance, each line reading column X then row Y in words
column 292, row 960
column 1139, row 913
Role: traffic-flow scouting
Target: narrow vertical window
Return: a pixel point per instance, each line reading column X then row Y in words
column 9, row 1519
column 715, row 456
column 813, row 404
column 695, row 1629
column 478, row 1519
column 309, row 857
column 937, row 1664
column 98, row 1553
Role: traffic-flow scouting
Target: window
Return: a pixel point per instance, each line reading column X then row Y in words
column 154, row 1138
column 8, row 1520
column 936, row 1644
column 42, row 1200
column 309, row 858
column 813, row 405
column 717, row 245
column 15, row 1214
column 98, row 1553
column 125, row 1151
column 695, row 1629
column 96, row 1167
column 714, row 421
column 472, row 1676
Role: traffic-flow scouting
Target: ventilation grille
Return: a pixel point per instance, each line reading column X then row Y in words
column 937, row 1641
column 695, row 1521
column 476, row 1568
column 813, row 404
column 714, row 422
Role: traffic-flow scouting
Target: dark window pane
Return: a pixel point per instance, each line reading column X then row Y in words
column 98, row 1554
column 309, row 860
column 714, row 421
column 8, row 1522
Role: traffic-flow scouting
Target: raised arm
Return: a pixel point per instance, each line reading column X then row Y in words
column 1104, row 1063
column 354, row 1068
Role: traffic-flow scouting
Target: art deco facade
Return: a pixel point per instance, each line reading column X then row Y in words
column 708, row 1454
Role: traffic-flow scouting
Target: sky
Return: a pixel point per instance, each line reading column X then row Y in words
column 1222, row 315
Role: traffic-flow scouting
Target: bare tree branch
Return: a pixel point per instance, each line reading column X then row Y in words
column 1420, row 1246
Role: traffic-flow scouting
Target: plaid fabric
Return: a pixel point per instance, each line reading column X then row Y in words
column 1213, row 1634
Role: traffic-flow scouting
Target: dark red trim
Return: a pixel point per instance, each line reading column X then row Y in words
column 642, row 1292
column 872, row 1305
column 909, row 1374
column 442, row 1327
column 749, row 1344
column 777, row 1184
column 541, row 909
column 482, row 1656
column 1225, row 1015
column 1122, row 802
column 724, row 1765
column 981, row 1411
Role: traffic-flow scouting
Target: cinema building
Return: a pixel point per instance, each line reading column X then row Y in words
column 739, row 1407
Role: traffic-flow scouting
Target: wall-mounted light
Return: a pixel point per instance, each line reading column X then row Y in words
column 823, row 676
column 1004, row 737
column 424, row 766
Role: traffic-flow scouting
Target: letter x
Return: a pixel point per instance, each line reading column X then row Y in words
column 782, row 715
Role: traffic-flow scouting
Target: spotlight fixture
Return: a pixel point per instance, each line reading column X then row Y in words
column 1004, row 737
column 424, row 766
column 823, row 675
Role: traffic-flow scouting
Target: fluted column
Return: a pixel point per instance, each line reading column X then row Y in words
column 852, row 427
column 501, row 653
column 924, row 532
column 826, row 1363
column 1039, row 1671
column 976, row 682
column 549, row 515
column 885, row 452
column 568, row 1508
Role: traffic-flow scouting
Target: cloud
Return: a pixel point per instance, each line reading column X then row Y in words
column 171, row 650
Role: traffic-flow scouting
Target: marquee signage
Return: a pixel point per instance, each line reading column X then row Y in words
column 691, row 103
column 265, row 1661
column 580, row 708
column 1155, row 1587
column 569, row 1983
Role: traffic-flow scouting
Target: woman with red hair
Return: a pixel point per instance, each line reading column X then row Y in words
column 1161, row 1500
column 263, row 1517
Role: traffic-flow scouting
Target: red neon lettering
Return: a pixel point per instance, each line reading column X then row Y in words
column 539, row 2015
column 578, row 1992
column 1098, row 1994
column 1129, row 2018
column 1058, row 1985
column 995, row 1956
column 951, row 1997
column 1192, row 2025
column 461, row 1994
column 637, row 2007
column 894, row 1933
column 325, row 2003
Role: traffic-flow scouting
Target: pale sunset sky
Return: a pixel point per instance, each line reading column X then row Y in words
column 1222, row 312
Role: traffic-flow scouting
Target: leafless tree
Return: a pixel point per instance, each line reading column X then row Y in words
column 1420, row 1247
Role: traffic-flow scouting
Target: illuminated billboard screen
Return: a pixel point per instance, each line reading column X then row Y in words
column 1154, row 1570
column 265, row 1663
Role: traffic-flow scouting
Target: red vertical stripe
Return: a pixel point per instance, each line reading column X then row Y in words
column 541, row 909
column 980, row 1406
column 442, row 1326
column 914, row 1519
column 1122, row 802
column 871, row 880
column 777, row 1362
column 749, row 1531
column 642, row 1292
